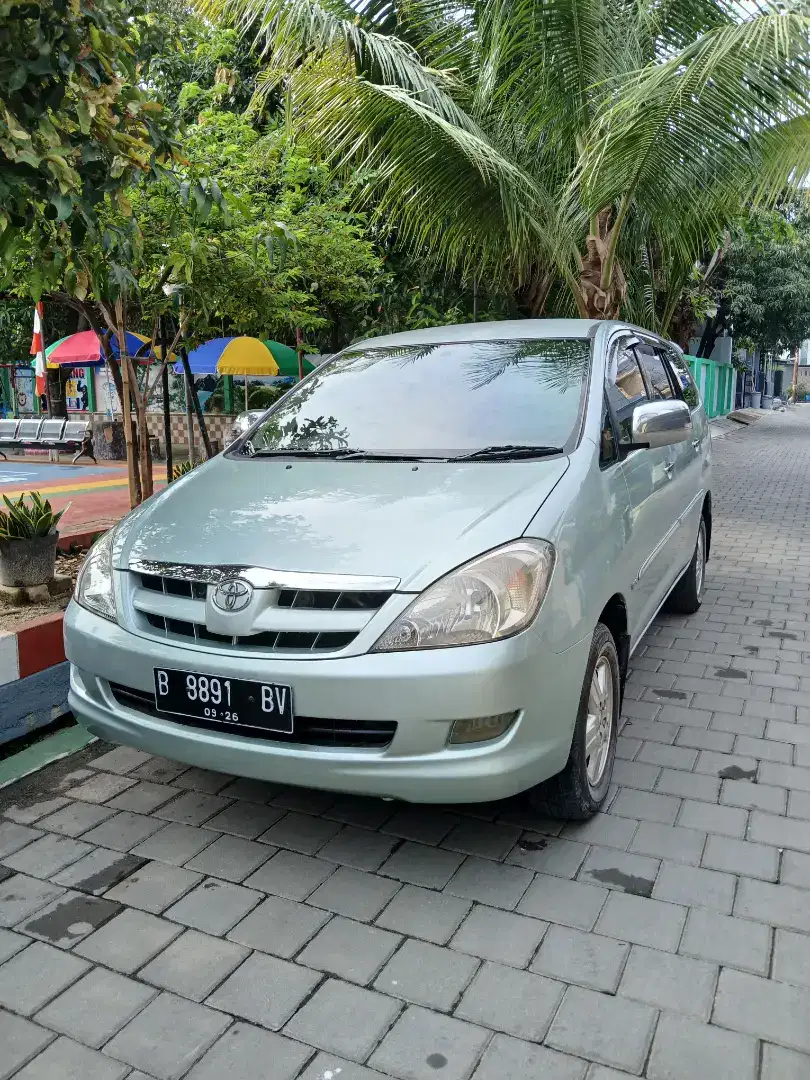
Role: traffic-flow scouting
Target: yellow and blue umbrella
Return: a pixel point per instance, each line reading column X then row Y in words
column 231, row 356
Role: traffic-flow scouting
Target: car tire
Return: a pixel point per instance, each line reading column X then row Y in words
column 687, row 596
column 577, row 793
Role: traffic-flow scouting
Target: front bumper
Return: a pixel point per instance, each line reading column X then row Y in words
column 423, row 692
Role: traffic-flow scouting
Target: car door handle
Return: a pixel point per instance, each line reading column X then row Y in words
column 668, row 467
column 696, row 444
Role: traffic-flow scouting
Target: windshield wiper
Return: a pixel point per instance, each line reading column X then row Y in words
column 344, row 454
column 291, row 451
column 508, row 452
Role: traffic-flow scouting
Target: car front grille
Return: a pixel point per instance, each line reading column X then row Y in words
column 174, row 608
column 308, row 730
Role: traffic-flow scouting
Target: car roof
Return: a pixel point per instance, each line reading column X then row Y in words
column 488, row 331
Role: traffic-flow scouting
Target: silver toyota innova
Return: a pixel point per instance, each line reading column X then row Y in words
column 420, row 575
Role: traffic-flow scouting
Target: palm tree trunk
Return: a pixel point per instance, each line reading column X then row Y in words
column 600, row 300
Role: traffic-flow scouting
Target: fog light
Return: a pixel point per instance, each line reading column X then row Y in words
column 481, row 729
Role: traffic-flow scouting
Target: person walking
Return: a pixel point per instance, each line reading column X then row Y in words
column 86, row 450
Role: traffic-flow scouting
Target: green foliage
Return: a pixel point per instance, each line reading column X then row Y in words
column 183, row 467
column 768, row 277
column 76, row 128
column 26, row 520
column 799, row 392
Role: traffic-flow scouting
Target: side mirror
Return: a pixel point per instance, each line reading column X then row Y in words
column 659, row 423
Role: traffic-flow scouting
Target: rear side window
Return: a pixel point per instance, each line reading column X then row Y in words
column 625, row 386
column 661, row 389
column 683, row 377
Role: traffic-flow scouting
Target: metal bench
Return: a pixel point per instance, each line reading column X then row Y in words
column 52, row 432
column 28, row 432
column 43, row 434
column 8, row 435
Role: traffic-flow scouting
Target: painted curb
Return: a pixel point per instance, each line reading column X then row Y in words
column 34, row 676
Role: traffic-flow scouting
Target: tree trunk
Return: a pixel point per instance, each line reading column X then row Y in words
column 600, row 301
column 536, row 292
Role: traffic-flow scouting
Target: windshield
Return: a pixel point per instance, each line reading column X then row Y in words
column 437, row 400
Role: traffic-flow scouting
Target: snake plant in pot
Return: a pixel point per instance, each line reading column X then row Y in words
column 28, row 538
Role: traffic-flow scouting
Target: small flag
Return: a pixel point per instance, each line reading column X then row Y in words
column 38, row 349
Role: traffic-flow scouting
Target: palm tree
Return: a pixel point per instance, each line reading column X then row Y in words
column 585, row 152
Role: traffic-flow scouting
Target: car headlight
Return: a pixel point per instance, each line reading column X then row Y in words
column 492, row 597
column 95, row 587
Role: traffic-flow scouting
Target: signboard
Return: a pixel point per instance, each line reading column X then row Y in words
column 24, row 391
column 77, row 393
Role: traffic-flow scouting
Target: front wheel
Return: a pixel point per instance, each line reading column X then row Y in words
column 687, row 596
column 578, row 792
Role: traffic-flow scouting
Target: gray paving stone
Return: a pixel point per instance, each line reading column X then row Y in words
column 214, row 906
column 422, row 1042
column 230, row 858
column 488, row 840
column 47, row 855
column 739, row 725
column 154, row 887
column 13, row 837
column 420, row 823
column 492, row 934
column 265, row 990
column 489, row 883
column 174, row 844
column 669, row 842
column 587, row 959
column 98, row 871
column 32, row 977
column 68, row 1060
column 96, row 1007
column 168, row 1036
column 21, row 896
column 799, row 805
column 290, row 874
column 427, row 975
column 741, row 857
column 779, row 831
column 254, row 791
column 609, row 1030
column 781, row 1064
column 335, row 1068
column 698, row 739
column 549, row 854
column 670, row 757
column 28, row 813
column 694, row 886
column 351, row 950
column 769, row 1010
column 20, row 1041
column 193, row 965
column 669, row 981
column 787, row 776
column 69, row 919
column 159, row 769
column 419, row 864
column 278, row 926
column 684, row 1049
column 753, row 796
column 128, row 941
column 100, row 788
column 144, row 797
column 620, row 870
column 571, row 903
column 689, row 785
column 366, row 813
column 123, row 759
column 706, row 817
column 775, row 905
column 344, row 1019
column 507, row 1058
column 354, row 893
column 791, row 958
column 122, row 831
column 76, row 818
column 641, row 921
column 192, row 808
column 245, row 819
column 10, row 943
column 602, row 829
column 202, row 780
column 358, row 848
column 244, row 1052
column 301, row 832
column 727, row 941
column 518, row 1003
column 424, row 914
column 795, row 869
column 646, row 806
column 303, row 800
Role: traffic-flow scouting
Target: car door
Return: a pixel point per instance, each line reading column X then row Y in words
column 653, row 507
column 695, row 454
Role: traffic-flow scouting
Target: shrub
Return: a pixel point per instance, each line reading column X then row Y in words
column 25, row 521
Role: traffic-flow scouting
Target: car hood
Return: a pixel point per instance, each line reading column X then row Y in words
column 386, row 519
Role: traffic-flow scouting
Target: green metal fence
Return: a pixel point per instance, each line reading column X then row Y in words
column 716, row 385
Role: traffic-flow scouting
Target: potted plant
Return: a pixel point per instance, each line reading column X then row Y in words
column 28, row 538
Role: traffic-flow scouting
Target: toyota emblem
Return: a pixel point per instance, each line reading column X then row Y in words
column 233, row 595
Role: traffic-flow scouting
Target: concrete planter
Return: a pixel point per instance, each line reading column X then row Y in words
column 28, row 562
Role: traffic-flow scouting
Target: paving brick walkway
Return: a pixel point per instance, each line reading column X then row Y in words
column 169, row 922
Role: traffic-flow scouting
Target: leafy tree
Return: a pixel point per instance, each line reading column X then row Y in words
column 75, row 126
column 585, row 152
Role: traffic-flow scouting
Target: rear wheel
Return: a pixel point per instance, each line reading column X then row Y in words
column 579, row 790
column 687, row 596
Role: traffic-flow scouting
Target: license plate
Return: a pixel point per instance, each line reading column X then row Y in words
column 267, row 706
